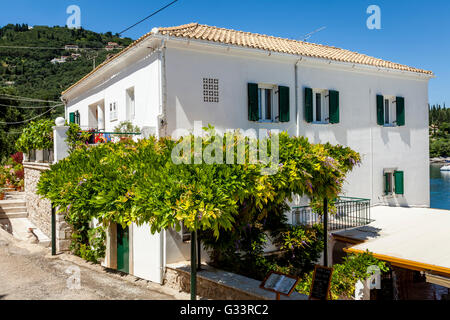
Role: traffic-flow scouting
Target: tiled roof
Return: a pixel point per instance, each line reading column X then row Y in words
column 264, row 42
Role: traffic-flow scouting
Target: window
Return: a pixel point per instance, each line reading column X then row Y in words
column 130, row 104
column 74, row 117
column 268, row 103
column 113, row 111
column 210, row 90
column 320, row 108
column 393, row 182
column 390, row 111
column 386, row 111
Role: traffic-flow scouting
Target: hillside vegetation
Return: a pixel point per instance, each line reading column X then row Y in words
column 439, row 131
column 28, row 72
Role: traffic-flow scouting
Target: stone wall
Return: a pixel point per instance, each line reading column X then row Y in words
column 39, row 210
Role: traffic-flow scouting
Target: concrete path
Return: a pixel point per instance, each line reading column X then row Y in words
column 28, row 271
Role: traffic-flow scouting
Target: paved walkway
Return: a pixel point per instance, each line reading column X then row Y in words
column 28, row 271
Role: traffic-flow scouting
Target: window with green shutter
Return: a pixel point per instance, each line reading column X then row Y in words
column 72, row 117
column 400, row 110
column 399, row 185
column 283, row 103
column 380, row 110
column 253, row 108
column 333, row 106
column 308, row 105
column 387, row 183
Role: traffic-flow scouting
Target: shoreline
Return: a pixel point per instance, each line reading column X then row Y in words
column 439, row 160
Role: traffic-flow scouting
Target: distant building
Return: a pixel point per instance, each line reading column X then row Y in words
column 62, row 59
column 112, row 46
column 71, row 47
column 75, row 56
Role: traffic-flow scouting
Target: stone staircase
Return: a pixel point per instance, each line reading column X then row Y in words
column 13, row 206
column 14, row 219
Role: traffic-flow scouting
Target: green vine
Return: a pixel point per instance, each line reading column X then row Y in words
column 37, row 135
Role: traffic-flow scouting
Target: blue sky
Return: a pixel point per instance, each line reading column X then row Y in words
column 413, row 32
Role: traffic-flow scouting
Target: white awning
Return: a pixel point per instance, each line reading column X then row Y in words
column 412, row 238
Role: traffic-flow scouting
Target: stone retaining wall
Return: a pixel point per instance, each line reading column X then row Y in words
column 39, row 210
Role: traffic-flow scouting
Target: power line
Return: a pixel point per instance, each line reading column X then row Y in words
column 47, row 48
column 22, row 107
column 40, row 115
column 28, row 99
column 157, row 11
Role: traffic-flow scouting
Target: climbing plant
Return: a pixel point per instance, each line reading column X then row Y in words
column 37, row 135
column 140, row 182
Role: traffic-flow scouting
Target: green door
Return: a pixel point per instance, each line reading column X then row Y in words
column 123, row 249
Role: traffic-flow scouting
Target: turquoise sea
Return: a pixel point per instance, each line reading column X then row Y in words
column 439, row 187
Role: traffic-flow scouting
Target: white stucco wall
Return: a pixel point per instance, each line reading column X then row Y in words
column 147, row 255
column 405, row 148
column 143, row 75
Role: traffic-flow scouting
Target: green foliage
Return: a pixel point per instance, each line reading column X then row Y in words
column 37, row 135
column 439, row 131
column 138, row 182
column 345, row 275
column 126, row 127
column 76, row 138
column 29, row 72
column 8, row 132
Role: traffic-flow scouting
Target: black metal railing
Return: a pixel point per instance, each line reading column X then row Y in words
column 349, row 213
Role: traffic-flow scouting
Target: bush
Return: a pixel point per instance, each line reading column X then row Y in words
column 346, row 275
column 37, row 135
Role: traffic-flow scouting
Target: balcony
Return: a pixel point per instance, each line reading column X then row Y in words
column 350, row 212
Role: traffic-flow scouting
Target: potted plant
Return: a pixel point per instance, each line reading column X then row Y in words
column 2, row 194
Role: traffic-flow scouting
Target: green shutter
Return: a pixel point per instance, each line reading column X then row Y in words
column 398, row 177
column 400, row 107
column 380, row 110
column 308, row 105
column 253, row 108
column 283, row 102
column 333, row 97
column 386, row 183
column 123, row 249
column 77, row 117
column 72, row 117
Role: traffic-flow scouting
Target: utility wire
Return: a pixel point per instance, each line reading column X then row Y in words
column 40, row 115
column 47, row 48
column 21, row 107
column 157, row 11
column 12, row 97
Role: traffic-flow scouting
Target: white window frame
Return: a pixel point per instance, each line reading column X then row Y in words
column 391, row 172
column 324, row 110
column 392, row 111
column 131, row 103
column 113, row 114
column 275, row 110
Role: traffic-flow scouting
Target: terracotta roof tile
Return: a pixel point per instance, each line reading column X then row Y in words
column 264, row 42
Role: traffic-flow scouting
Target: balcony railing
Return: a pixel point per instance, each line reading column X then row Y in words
column 350, row 212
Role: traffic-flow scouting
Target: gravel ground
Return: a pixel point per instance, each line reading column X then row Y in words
column 28, row 271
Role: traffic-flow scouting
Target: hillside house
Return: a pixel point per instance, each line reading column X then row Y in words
column 172, row 77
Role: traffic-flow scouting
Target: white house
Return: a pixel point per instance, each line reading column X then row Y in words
column 174, row 76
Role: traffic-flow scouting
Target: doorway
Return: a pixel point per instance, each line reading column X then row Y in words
column 123, row 249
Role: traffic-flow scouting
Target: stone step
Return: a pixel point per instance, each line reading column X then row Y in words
column 13, row 215
column 10, row 203
column 19, row 229
column 13, row 209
